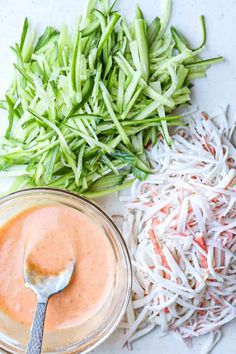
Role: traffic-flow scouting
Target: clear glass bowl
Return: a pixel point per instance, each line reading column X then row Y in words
column 13, row 337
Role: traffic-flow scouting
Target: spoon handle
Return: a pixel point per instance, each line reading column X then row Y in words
column 36, row 333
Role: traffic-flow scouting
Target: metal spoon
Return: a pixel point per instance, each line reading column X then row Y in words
column 44, row 287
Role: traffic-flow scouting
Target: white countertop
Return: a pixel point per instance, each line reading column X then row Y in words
column 219, row 88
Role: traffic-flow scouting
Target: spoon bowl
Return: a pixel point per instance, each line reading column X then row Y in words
column 45, row 286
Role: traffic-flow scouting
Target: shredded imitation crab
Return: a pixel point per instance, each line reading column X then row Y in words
column 180, row 226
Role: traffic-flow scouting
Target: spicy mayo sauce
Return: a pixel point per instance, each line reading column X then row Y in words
column 48, row 237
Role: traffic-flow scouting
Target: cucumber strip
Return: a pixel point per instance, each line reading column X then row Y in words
column 107, row 32
column 204, row 34
column 120, row 90
column 205, row 62
column 153, row 30
column 147, row 111
column 74, row 60
column 24, row 34
column 141, row 37
column 107, row 101
column 131, row 103
column 131, row 88
column 24, row 74
column 88, row 30
column 165, row 18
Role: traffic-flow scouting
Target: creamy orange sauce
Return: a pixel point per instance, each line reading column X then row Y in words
column 49, row 250
column 48, row 237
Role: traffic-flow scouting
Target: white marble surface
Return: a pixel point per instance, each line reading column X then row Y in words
column 218, row 89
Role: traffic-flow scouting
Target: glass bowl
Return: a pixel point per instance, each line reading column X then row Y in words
column 13, row 336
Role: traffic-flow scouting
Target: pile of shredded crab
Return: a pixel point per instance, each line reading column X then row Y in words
column 180, row 226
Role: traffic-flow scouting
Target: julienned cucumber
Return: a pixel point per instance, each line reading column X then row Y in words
column 82, row 107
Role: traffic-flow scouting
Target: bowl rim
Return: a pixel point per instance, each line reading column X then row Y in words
column 112, row 325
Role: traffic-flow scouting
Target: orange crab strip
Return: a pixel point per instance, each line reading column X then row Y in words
column 202, row 243
column 157, row 248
